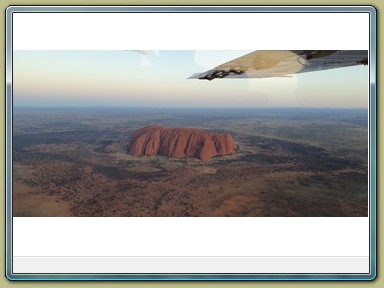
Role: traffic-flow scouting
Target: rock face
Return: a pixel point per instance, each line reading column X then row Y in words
column 180, row 143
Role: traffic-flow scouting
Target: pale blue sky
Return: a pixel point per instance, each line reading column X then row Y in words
column 159, row 79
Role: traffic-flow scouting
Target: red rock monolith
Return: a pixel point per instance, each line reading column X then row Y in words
column 180, row 143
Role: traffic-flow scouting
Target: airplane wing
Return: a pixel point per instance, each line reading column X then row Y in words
column 282, row 63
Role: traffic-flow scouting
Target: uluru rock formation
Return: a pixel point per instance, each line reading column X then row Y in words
column 180, row 143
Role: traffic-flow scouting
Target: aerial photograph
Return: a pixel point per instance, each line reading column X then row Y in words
column 186, row 133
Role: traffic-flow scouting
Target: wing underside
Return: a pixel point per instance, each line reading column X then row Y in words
column 283, row 63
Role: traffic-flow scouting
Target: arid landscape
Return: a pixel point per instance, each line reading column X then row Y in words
column 288, row 162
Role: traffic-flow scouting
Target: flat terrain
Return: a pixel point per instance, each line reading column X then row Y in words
column 290, row 162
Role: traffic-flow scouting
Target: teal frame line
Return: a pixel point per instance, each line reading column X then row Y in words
column 191, row 9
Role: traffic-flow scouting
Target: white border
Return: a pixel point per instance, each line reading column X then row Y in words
column 190, row 31
column 191, row 236
column 206, row 237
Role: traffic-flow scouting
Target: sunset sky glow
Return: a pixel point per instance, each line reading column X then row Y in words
column 129, row 78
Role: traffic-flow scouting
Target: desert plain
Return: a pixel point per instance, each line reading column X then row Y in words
column 305, row 162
